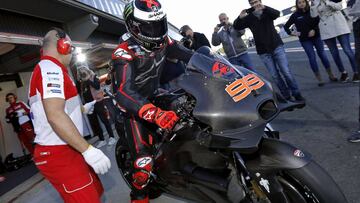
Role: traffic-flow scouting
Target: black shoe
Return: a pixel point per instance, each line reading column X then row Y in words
column 299, row 98
column 356, row 77
column 289, row 98
column 344, row 77
column 320, row 84
column 354, row 137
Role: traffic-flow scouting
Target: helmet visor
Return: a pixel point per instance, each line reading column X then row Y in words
column 154, row 29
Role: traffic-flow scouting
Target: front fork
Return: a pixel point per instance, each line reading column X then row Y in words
column 265, row 186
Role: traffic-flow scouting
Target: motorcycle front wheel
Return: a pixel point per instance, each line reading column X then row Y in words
column 124, row 161
column 310, row 184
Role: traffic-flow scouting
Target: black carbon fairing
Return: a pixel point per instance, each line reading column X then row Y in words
column 218, row 108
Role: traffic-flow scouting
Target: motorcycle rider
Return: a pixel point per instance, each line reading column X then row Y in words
column 138, row 62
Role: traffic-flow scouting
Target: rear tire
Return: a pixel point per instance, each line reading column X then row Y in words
column 312, row 183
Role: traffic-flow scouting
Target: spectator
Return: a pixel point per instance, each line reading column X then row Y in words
column 193, row 40
column 234, row 47
column 93, row 118
column 61, row 153
column 260, row 20
column 333, row 26
column 18, row 115
column 117, row 112
column 92, row 81
column 354, row 11
column 309, row 35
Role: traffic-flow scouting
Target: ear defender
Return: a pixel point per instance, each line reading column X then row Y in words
column 63, row 45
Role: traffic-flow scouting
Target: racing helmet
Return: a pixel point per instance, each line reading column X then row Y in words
column 146, row 21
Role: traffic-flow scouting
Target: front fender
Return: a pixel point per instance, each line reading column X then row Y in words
column 275, row 155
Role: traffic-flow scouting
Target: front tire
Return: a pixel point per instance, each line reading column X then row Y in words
column 124, row 161
column 311, row 184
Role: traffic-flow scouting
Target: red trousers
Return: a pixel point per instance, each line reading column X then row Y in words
column 67, row 171
column 26, row 136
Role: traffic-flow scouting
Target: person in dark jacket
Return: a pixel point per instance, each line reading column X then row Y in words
column 307, row 30
column 354, row 11
column 90, row 80
column 234, row 47
column 193, row 40
column 260, row 20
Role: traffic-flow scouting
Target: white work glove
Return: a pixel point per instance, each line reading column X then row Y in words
column 97, row 160
column 88, row 108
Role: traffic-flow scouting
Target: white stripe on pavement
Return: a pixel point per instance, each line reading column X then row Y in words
column 300, row 49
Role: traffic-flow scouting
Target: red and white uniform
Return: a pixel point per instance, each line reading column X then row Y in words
column 25, row 132
column 50, row 79
column 63, row 166
column 21, row 108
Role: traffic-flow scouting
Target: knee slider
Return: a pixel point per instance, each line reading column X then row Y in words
column 142, row 168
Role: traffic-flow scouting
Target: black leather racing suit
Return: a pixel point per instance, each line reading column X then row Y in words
column 135, row 77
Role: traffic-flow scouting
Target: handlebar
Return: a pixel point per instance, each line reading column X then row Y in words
column 180, row 124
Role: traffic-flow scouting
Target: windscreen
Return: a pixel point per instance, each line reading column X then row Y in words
column 213, row 64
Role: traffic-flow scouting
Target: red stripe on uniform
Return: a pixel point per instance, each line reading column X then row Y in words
column 150, row 139
column 133, row 134
column 123, row 83
column 139, row 135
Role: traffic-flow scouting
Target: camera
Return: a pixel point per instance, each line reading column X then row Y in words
column 221, row 24
column 186, row 41
column 250, row 10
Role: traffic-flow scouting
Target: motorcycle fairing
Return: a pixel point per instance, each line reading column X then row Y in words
column 276, row 155
column 216, row 108
column 245, row 140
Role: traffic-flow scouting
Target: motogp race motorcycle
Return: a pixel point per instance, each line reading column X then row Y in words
column 219, row 150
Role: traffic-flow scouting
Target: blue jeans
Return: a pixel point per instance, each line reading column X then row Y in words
column 242, row 60
column 356, row 26
column 308, row 46
column 345, row 44
column 277, row 63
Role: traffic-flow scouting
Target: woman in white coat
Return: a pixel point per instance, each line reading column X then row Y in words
column 333, row 25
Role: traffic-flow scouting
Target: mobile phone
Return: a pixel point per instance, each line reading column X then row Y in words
column 220, row 24
column 250, row 10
